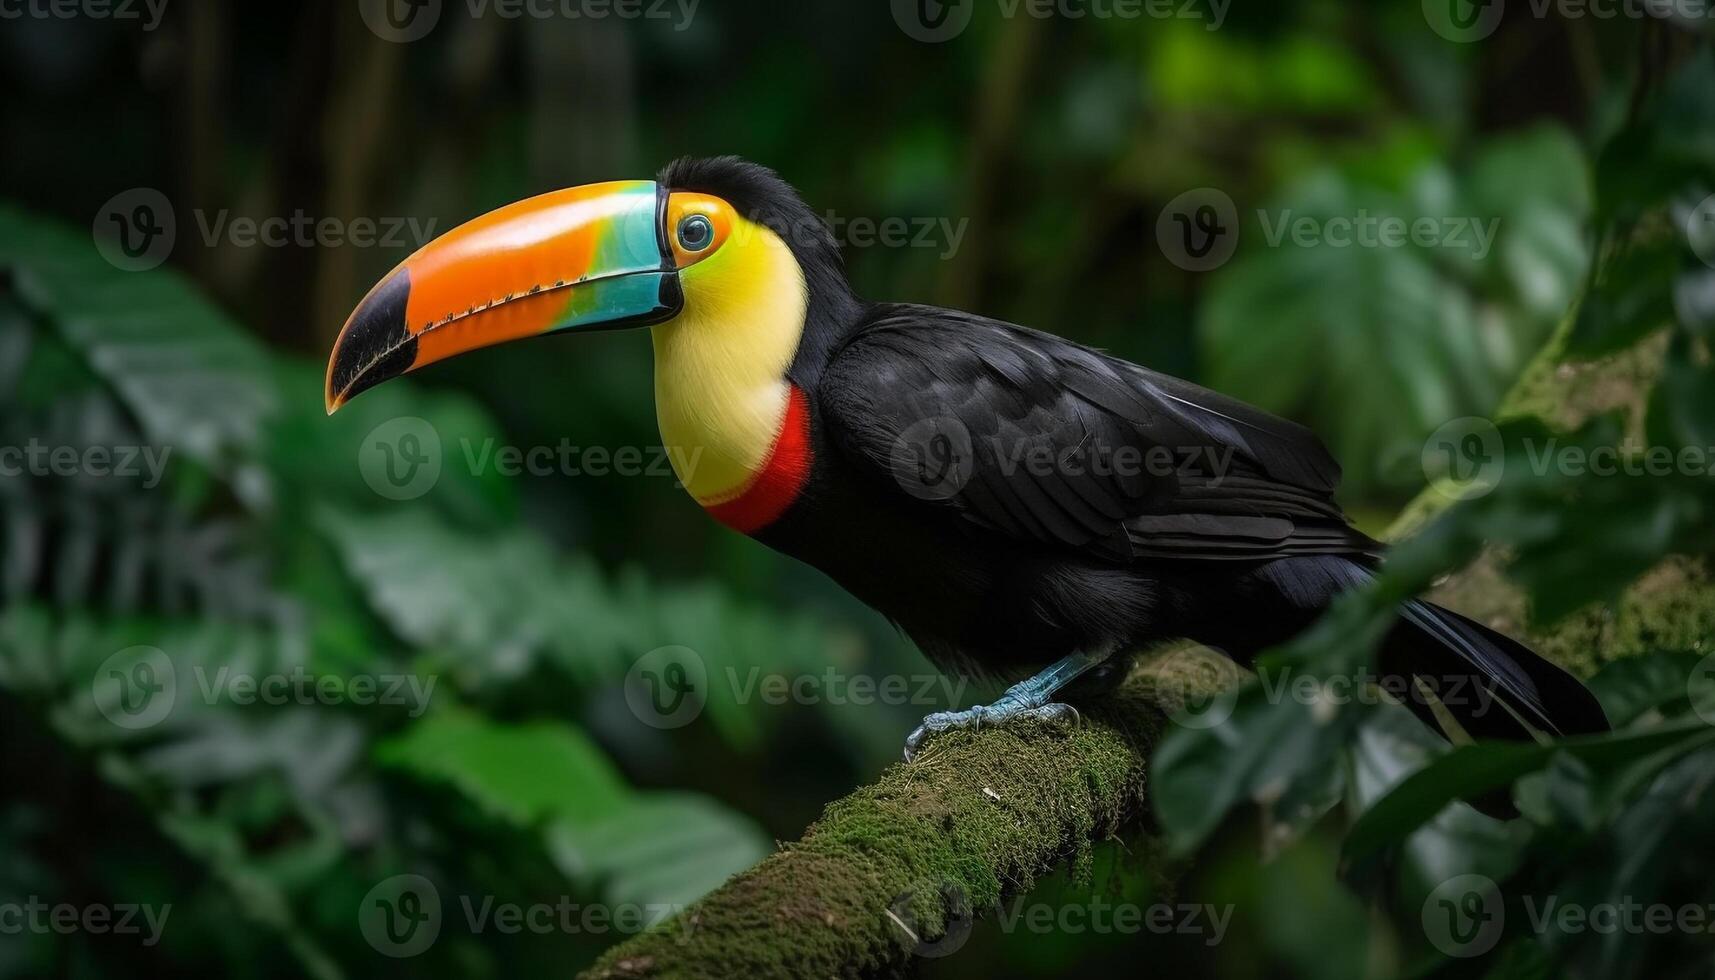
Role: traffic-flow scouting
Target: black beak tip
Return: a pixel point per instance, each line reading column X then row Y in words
column 375, row 345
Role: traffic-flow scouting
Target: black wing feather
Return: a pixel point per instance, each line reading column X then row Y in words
column 1024, row 397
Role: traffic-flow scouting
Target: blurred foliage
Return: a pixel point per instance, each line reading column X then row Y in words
column 258, row 555
column 1464, row 306
column 1611, row 821
column 1052, row 147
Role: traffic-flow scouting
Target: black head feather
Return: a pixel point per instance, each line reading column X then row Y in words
column 763, row 197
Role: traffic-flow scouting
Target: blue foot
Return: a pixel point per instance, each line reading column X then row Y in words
column 1029, row 700
column 1008, row 708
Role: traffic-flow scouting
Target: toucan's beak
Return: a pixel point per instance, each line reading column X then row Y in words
column 593, row 257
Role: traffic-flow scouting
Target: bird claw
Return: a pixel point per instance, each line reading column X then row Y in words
column 975, row 717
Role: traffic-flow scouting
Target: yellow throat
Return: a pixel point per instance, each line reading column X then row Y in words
column 720, row 366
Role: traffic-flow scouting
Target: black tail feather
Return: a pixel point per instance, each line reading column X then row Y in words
column 1491, row 684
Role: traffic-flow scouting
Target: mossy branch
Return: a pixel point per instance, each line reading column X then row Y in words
column 976, row 817
column 982, row 815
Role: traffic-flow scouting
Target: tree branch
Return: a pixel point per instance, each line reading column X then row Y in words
column 978, row 816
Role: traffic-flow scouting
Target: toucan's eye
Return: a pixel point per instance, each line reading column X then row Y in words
column 696, row 231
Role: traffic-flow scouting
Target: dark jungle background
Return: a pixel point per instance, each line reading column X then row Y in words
column 1027, row 167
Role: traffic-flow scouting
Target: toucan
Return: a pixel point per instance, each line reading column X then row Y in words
column 1026, row 508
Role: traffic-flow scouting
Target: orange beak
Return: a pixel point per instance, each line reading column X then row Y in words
column 588, row 258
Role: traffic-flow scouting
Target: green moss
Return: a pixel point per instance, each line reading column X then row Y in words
column 977, row 817
column 1673, row 606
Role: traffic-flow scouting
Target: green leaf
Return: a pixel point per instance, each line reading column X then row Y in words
column 663, row 849
column 524, row 774
column 1271, row 751
column 1392, row 746
column 498, row 602
column 1669, row 144
column 1632, row 297
column 1632, row 686
column 194, row 380
column 1470, row 771
column 649, row 849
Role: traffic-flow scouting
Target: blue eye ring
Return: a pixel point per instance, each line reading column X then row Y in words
column 696, row 232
